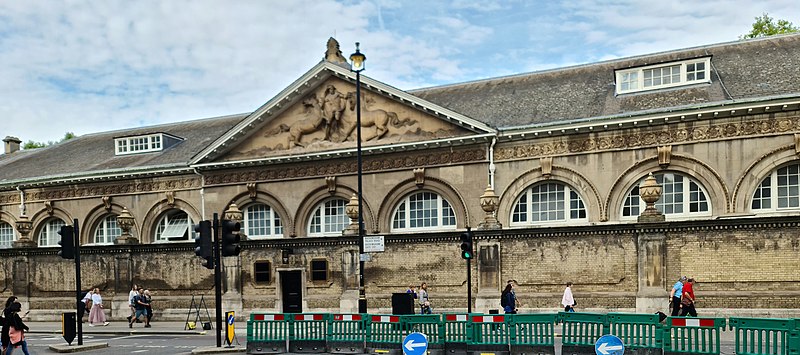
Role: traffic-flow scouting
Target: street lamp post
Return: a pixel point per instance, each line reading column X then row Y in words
column 357, row 60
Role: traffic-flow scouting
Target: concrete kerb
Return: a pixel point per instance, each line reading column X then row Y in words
column 216, row 350
column 65, row 348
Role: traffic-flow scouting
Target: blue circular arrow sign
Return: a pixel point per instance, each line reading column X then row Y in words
column 415, row 344
column 609, row 345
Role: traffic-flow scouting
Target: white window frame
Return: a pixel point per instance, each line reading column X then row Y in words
column 271, row 219
column 173, row 225
column 567, row 207
column 49, row 232
column 625, row 85
column 789, row 191
column 139, row 144
column 107, row 231
column 445, row 218
column 685, row 203
column 7, row 235
column 326, row 228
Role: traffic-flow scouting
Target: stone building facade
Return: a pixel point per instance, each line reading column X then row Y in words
column 544, row 167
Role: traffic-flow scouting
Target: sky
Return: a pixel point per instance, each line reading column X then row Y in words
column 86, row 66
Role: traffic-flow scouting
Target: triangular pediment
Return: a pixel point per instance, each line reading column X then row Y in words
column 317, row 114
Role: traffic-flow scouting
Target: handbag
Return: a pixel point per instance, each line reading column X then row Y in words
column 16, row 336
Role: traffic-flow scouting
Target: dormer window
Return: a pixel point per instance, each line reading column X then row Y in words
column 663, row 75
column 145, row 143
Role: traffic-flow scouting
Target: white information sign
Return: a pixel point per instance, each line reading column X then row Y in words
column 373, row 243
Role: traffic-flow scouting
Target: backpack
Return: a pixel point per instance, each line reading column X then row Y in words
column 504, row 300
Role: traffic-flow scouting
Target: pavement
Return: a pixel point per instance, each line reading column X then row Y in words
column 119, row 328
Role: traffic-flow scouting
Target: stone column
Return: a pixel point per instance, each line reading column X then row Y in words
column 652, row 257
column 24, row 226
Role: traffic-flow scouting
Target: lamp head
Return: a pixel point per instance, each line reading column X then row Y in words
column 357, row 60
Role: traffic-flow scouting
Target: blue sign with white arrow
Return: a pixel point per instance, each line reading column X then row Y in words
column 609, row 345
column 415, row 344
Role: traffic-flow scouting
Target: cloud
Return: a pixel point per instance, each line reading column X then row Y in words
column 87, row 66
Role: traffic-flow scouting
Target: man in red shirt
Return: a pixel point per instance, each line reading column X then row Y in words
column 687, row 300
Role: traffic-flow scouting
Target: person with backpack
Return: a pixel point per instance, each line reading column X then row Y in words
column 508, row 300
column 16, row 330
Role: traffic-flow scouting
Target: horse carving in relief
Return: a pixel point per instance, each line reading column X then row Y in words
column 314, row 118
column 378, row 118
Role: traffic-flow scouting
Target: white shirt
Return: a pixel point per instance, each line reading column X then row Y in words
column 567, row 300
column 131, row 295
column 88, row 296
column 96, row 299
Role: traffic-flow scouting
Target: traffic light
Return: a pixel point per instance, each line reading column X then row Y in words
column 230, row 237
column 67, row 242
column 466, row 245
column 203, row 246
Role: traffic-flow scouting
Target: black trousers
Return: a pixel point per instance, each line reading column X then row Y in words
column 689, row 309
column 676, row 306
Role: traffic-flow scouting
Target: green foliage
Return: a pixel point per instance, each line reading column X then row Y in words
column 767, row 26
column 33, row 145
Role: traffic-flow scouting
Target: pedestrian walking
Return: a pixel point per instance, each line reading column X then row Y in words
column 424, row 300
column 413, row 291
column 140, row 304
column 16, row 330
column 96, row 314
column 4, row 338
column 85, row 304
column 149, row 301
column 687, row 299
column 675, row 296
column 132, row 305
column 508, row 300
column 567, row 300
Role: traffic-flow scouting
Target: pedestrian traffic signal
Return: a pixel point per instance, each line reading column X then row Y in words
column 230, row 237
column 203, row 246
column 466, row 245
column 67, row 242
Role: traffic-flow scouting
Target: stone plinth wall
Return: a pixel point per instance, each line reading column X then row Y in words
column 745, row 264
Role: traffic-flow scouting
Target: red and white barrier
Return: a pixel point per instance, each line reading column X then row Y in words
column 346, row 317
column 385, row 319
column 692, row 322
column 269, row 317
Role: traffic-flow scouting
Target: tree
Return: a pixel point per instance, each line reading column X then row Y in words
column 33, row 145
column 766, row 26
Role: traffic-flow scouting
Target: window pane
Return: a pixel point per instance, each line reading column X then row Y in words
column 6, row 235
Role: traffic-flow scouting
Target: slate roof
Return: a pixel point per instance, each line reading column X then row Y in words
column 95, row 152
column 740, row 70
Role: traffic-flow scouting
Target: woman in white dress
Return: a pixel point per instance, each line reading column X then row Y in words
column 96, row 315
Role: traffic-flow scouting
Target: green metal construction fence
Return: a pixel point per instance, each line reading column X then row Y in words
column 477, row 334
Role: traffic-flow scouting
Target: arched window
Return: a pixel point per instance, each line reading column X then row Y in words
column 548, row 202
column 175, row 225
column 107, row 231
column 6, row 235
column 423, row 211
column 778, row 191
column 681, row 196
column 261, row 221
column 48, row 235
column 329, row 218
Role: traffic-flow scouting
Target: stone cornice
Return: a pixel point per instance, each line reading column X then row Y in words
column 643, row 137
column 105, row 189
column 342, row 167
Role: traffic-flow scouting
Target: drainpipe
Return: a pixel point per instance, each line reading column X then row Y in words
column 21, row 201
column 202, row 194
column 491, row 163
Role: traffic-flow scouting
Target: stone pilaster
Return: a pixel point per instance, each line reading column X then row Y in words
column 652, row 295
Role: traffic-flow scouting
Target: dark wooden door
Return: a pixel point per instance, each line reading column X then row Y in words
column 292, row 291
